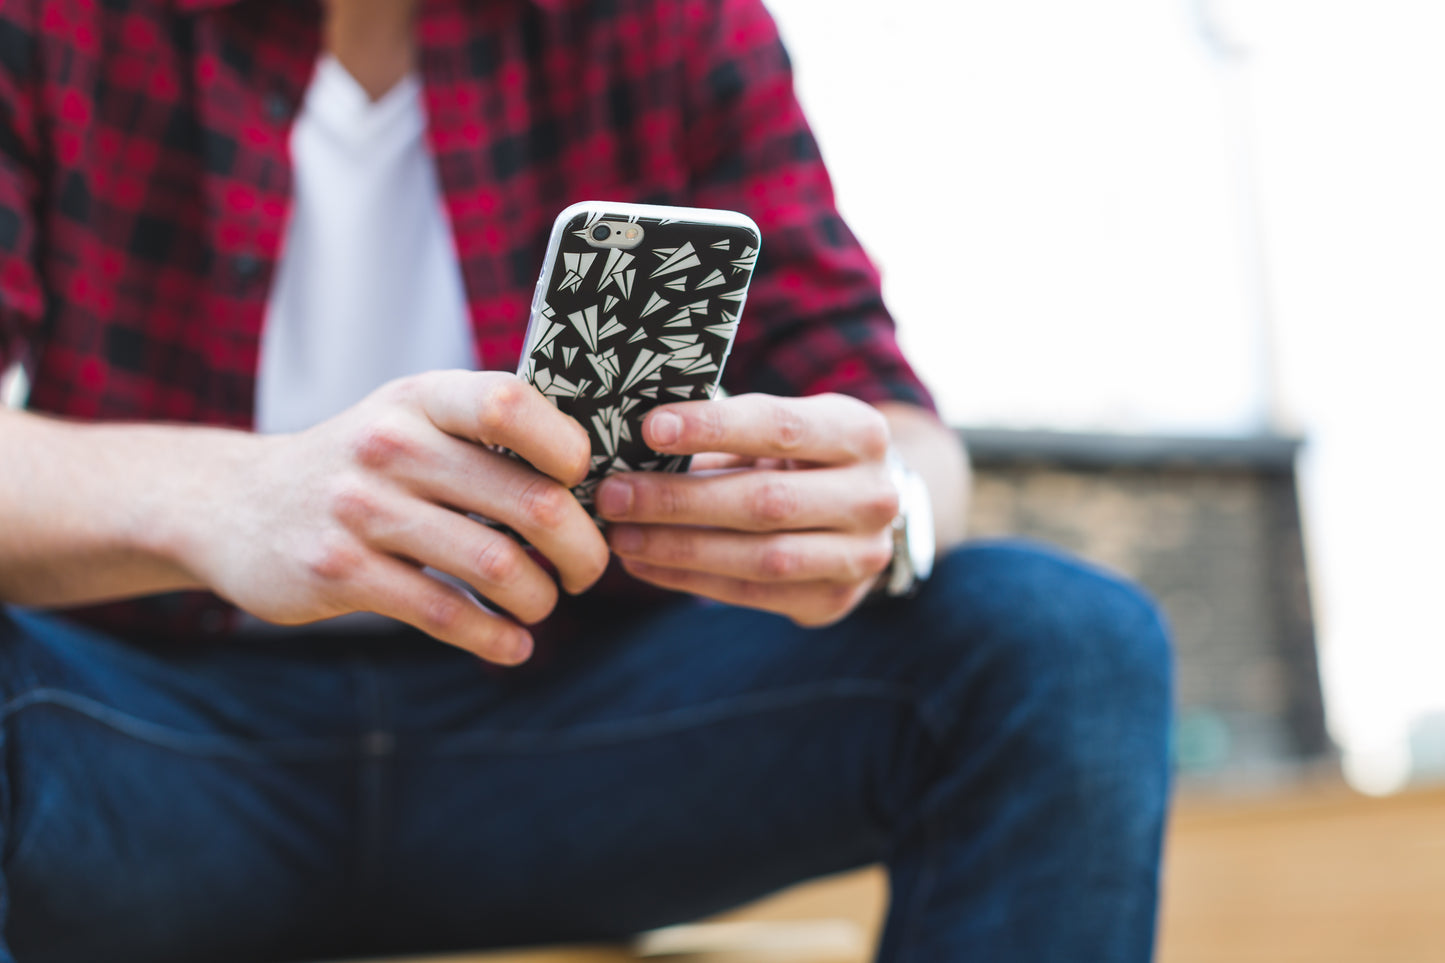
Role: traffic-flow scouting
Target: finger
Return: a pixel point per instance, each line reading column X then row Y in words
column 497, row 408
column 861, row 499
column 807, row 603
column 484, row 558
column 717, row 461
column 795, row 557
column 824, row 429
column 399, row 591
column 544, row 512
column 538, row 508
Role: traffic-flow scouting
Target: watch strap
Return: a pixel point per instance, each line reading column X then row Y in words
column 912, row 560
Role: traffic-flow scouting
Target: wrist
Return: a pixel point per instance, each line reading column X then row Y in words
column 181, row 506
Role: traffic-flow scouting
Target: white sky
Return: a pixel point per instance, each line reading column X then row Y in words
column 1059, row 197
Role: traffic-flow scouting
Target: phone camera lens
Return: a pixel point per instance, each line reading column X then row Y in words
column 601, row 232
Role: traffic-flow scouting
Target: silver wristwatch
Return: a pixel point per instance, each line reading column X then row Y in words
column 913, row 542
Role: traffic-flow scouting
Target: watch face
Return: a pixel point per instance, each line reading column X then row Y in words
column 921, row 543
column 913, row 538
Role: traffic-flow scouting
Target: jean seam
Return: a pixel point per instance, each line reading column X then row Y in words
column 910, row 919
column 7, row 830
column 677, row 720
column 17, row 857
column 377, row 746
column 176, row 740
column 477, row 741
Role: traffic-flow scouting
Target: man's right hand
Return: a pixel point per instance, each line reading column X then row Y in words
column 344, row 516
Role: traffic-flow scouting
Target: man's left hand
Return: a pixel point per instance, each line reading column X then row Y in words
column 788, row 509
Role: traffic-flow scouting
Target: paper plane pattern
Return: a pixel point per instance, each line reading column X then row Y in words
column 622, row 331
column 577, row 266
column 616, row 274
column 677, row 259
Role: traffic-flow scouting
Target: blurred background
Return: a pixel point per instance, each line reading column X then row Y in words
column 1177, row 268
column 1182, row 220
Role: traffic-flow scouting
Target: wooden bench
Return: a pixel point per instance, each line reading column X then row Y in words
column 1311, row 873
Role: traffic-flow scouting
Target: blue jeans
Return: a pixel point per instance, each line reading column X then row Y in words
column 999, row 742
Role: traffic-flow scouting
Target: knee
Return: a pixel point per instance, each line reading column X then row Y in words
column 1052, row 680
column 1040, row 626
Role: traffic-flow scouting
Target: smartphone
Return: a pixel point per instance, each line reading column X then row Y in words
column 637, row 306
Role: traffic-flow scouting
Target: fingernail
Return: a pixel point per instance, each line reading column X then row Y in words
column 614, row 498
column 626, row 539
column 518, row 649
column 665, row 428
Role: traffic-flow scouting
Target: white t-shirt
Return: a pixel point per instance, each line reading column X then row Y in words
column 369, row 287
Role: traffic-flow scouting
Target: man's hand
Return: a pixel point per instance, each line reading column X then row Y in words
column 343, row 517
column 796, row 521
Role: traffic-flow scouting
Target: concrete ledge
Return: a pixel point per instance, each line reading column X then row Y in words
column 1266, row 454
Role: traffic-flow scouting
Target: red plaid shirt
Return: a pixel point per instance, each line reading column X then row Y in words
column 145, row 181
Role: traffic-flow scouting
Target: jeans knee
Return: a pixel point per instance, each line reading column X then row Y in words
column 1119, row 631
column 1065, row 636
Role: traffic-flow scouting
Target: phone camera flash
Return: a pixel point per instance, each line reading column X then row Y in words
column 622, row 235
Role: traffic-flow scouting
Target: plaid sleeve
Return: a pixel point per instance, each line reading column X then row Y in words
column 815, row 319
column 22, row 298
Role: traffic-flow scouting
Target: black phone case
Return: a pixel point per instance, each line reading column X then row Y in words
column 615, row 333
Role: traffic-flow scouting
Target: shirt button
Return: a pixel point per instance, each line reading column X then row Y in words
column 247, row 266
column 277, row 107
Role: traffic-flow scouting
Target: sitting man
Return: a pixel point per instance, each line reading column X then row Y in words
column 267, row 264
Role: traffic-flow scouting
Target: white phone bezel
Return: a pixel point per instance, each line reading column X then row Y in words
column 596, row 211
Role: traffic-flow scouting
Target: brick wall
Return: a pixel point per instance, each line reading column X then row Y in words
column 1212, row 529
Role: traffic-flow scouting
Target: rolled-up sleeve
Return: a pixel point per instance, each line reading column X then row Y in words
column 815, row 319
column 22, row 298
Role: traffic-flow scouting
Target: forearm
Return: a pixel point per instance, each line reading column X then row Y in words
column 935, row 451
column 90, row 513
